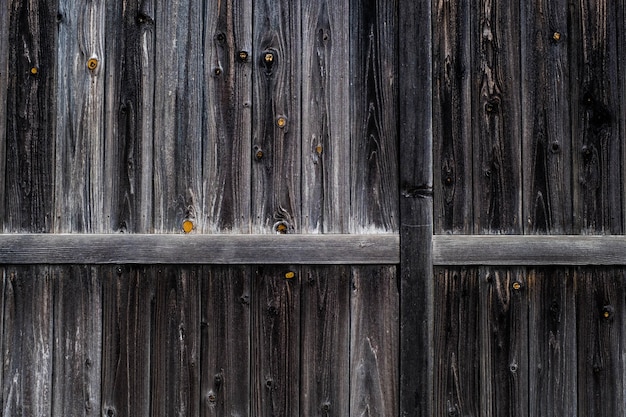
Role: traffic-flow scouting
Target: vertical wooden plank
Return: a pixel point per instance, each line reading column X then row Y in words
column 325, row 341
column 28, row 114
column 225, row 341
column 175, row 374
column 77, row 329
column 276, row 341
column 325, row 117
column 80, row 68
column 452, row 117
column 227, row 95
column 178, row 150
column 596, row 110
column 129, row 94
column 128, row 297
column 4, row 82
column 27, row 342
column 496, row 110
column 416, row 208
column 374, row 341
column 456, row 344
column 276, row 117
column 373, row 107
column 546, row 124
column 600, row 299
column 552, row 342
column 503, row 342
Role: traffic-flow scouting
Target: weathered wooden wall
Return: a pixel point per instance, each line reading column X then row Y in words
column 529, row 127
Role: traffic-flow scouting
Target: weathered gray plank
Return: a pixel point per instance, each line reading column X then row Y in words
column 503, row 331
column 373, row 110
column 28, row 75
column 276, row 153
column 596, row 109
column 600, row 343
column 325, row 374
column 4, row 82
column 546, row 125
column 452, row 117
column 79, row 174
column 552, row 342
column 325, row 117
column 27, row 348
column 128, row 296
column 276, row 341
column 198, row 249
column 374, row 341
column 529, row 250
column 227, row 96
column 178, row 151
column 175, row 376
column 455, row 342
column 77, row 345
column 225, row 341
column 128, row 140
column 496, row 109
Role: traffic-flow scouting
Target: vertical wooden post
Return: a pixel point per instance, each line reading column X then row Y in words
column 416, row 209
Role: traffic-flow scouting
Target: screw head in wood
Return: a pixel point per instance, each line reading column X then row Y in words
column 268, row 57
column 92, row 64
column 556, row 36
column 517, row 286
column 243, row 56
column 290, row 275
column 281, row 122
column 187, row 226
column 34, row 70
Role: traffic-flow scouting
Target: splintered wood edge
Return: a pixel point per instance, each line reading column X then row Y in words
column 528, row 250
column 333, row 249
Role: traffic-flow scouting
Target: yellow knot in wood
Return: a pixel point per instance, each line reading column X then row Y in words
column 92, row 64
column 517, row 285
column 281, row 228
column 318, row 149
column 34, row 70
column 281, row 122
column 606, row 314
column 187, row 226
column 269, row 57
column 290, row 274
column 556, row 36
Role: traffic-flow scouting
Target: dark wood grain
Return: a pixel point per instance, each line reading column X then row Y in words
column 373, row 109
column 4, row 81
column 552, row 342
column 276, row 341
column 225, row 341
column 546, row 124
column 27, row 338
column 77, row 348
column 325, row 373
column 456, row 317
column 227, row 100
column 374, row 341
column 496, row 109
column 28, row 114
column 276, row 133
column 452, row 118
column 128, row 299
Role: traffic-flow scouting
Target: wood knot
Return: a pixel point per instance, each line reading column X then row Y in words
column 493, row 105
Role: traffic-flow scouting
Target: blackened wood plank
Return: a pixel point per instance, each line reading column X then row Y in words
column 4, row 82
column 227, row 96
column 325, row 117
column 77, row 324
column 373, row 110
column 552, row 342
column 276, row 152
column 81, row 65
column 452, row 116
column 276, row 341
column 503, row 342
column 456, row 343
column 600, row 295
column 27, row 348
column 178, row 113
column 546, row 124
column 198, row 249
column 175, row 355
column 325, row 342
column 496, row 110
column 128, row 299
column 28, row 114
column 129, row 106
column 374, row 341
column 596, row 112
column 225, row 341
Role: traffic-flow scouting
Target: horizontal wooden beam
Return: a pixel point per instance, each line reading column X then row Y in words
column 198, row 249
column 528, row 250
